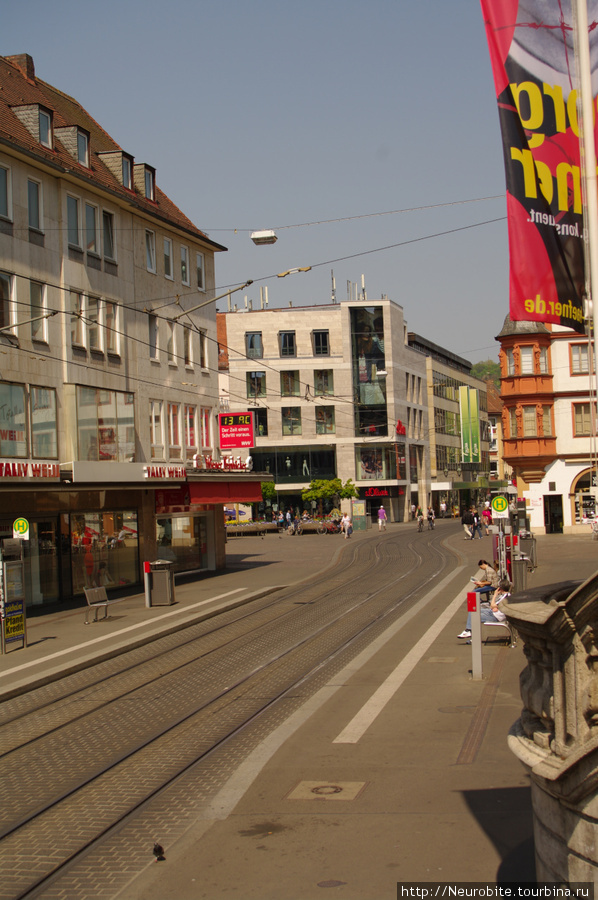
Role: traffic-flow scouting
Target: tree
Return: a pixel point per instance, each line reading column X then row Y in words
column 329, row 489
column 488, row 370
column 268, row 490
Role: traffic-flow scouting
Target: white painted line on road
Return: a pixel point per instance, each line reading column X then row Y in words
column 239, row 782
column 113, row 634
column 370, row 710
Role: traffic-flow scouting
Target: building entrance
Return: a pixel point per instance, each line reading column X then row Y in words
column 553, row 514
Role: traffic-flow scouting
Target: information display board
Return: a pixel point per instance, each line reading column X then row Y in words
column 236, row 430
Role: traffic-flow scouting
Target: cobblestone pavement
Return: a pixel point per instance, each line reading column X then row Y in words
column 107, row 745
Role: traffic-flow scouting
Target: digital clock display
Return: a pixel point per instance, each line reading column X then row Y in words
column 236, row 430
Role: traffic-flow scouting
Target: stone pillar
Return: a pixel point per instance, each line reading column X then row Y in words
column 556, row 737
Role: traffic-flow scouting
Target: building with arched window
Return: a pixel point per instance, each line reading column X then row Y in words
column 549, row 423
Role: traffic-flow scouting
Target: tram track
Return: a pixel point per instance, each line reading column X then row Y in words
column 281, row 642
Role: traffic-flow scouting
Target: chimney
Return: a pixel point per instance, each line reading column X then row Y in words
column 24, row 62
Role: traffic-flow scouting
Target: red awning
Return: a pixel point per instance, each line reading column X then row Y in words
column 225, row 492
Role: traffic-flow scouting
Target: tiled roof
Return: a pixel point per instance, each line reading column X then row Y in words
column 494, row 403
column 16, row 89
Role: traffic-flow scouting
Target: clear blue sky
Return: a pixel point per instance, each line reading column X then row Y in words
column 269, row 113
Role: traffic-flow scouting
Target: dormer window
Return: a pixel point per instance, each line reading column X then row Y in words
column 149, row 184
column 127, row 173
column 83, row 148
column 45, row 128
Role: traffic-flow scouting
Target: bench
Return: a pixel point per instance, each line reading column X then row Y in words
column 506, row 632
column 98, row 598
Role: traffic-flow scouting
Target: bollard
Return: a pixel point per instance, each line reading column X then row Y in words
column 473, row 606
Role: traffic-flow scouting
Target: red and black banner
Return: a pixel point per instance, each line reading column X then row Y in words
column 532, row 53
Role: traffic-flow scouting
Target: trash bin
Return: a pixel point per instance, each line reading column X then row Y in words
column 527, row 546
column 519, row 571
column 159, row 586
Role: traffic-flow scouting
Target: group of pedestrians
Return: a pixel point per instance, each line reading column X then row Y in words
column 473, row 521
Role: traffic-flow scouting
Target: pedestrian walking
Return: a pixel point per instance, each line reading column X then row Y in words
column 347, row 526
column 477, row 524
column 381, row 519
column 467, row 522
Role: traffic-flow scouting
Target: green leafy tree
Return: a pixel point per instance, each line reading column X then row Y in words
column 329, row 489
column 488, row 370
column 268, row 490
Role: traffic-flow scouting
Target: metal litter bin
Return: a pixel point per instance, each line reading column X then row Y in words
column 527, row 546
column 519, row 572
column 160, row 583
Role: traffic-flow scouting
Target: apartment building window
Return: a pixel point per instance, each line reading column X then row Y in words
column 253, row 344
column 94, row 323
column 37, row 309
column 199, row 265
column 77, row 323
column 260, row 419
column 156, row 429
column 203, row 350
column 6, row 281
column 153, row 335
column 83, row 148
column 256, row 384
column 206, row 427
column 5, row 199
column 188, row 346
column 73, row 221
column 287, row 343
column 34, row 190
column 513, row 422
column 527, row 360
column 13, row 423
column 291, row 420
column 149, row 181
column 579, row 359
column 45, row 128
column 91, row 228
column 510, row 362
column 105, row 425
column 323, row 382
column 108, row 235
column 112, row 328
column 44, row 430
column 150, row 251
column 582, row 419
column 191, row 446
column 321, row 343
column 289, row 384
column 168, row 273
column 174, row 431
column 127, row 173
column 543, row 360
column 184, row 265
column 170, row 343
column 325, row 423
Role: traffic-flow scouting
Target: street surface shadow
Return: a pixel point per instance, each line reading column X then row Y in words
column 505, row 814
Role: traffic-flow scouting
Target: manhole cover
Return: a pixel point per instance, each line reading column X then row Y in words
column 326, row 789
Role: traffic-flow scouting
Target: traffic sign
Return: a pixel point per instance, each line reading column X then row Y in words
column 500, row 507
column 20, row 529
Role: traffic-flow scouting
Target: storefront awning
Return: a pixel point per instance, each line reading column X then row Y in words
column 225, row 492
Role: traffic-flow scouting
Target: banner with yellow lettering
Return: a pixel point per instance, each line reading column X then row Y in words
column 532, row 53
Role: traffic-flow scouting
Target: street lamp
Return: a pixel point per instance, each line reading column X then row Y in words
column 260, row 238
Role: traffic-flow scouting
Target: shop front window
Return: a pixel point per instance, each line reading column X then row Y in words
column 183, row 540
column 104, row 549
